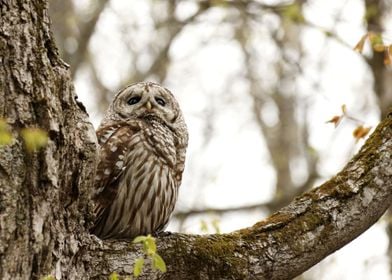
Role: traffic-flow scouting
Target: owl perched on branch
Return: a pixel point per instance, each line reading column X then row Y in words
column 143, row 140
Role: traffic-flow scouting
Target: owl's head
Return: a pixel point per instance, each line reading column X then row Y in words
column 144, row 100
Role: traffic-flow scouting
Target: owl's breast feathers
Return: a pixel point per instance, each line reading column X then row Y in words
column 117, row 141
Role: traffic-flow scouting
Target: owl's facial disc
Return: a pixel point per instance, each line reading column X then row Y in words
column 146, row 99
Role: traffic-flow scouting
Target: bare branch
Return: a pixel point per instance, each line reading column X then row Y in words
column 86, row 32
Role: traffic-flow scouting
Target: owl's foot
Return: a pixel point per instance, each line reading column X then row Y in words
column 162, row 234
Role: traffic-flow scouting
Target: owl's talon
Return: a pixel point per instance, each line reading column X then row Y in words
column 163, row 234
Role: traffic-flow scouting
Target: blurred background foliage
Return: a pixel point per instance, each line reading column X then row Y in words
column 257, row 81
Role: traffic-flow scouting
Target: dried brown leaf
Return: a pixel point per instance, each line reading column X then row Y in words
column 360, row 132
column 335, row 120
column 359, row 46
column 388, row 55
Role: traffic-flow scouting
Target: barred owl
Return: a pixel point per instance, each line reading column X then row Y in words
column 143, row 140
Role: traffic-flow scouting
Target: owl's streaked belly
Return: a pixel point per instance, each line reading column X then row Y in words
column 146, row 197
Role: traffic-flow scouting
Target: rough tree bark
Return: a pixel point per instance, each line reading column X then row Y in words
column 377, row 12
column 43, row 209
column 44, row 205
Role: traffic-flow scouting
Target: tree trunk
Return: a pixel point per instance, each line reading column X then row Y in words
column 45, row 206
column 43, row 195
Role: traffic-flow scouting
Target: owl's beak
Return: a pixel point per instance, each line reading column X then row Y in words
column 148, row 105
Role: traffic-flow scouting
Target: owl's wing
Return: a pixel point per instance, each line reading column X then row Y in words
column 114, row 141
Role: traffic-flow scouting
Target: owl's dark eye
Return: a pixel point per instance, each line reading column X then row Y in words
column 134, row 100
column 160, row 101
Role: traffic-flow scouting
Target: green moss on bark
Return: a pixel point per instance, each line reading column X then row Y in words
column 214, row 255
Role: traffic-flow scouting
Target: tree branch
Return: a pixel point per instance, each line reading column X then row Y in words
column 287, row 243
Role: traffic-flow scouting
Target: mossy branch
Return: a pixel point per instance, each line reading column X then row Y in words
column 291, row 240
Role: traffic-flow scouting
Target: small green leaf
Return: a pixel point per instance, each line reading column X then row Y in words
column 203, row 226
column 5, row 138
column 34, row 138
column 377, row 42
column 158, row 263
column 5, row 134
column 150, row 245
column 293, row 12
column 215, row 225
column 48, row 277
column 138, row 268
column 139, row 239
column 328, row 33
column 113, row 276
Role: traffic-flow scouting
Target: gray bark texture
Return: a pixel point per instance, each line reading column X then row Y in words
column 44, row 196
